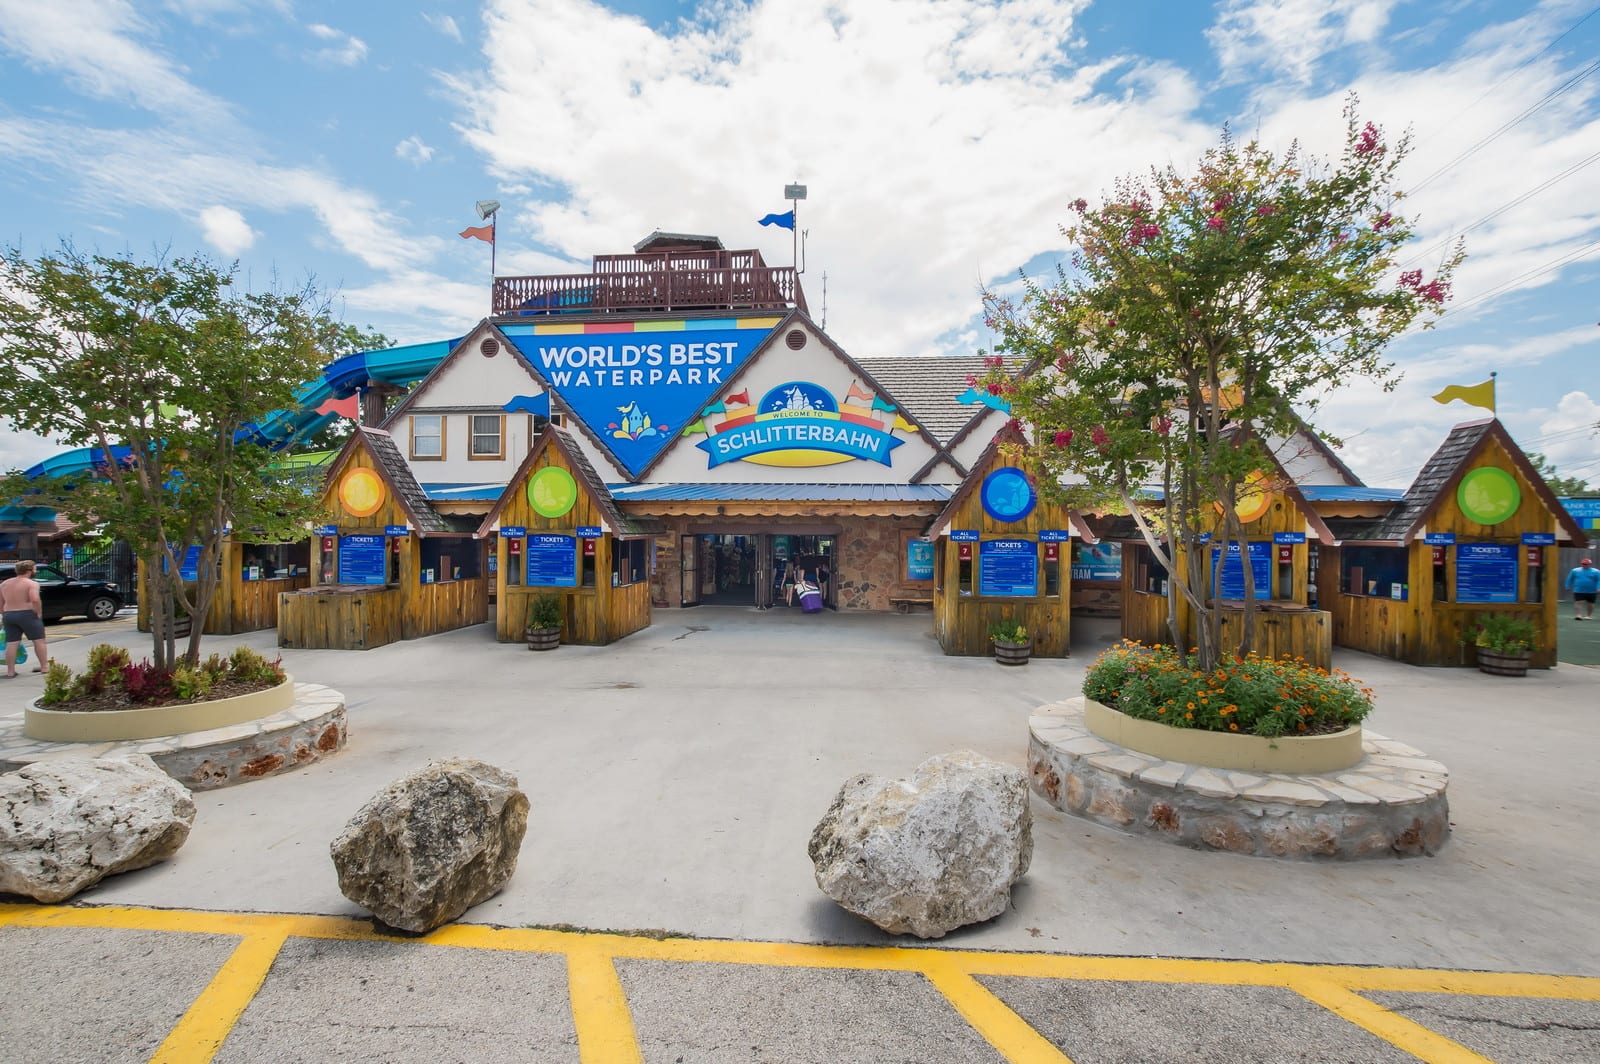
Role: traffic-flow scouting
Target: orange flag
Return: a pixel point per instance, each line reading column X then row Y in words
column 484, row 233
column 350, row 407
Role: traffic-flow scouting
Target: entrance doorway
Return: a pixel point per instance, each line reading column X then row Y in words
column 756, row 569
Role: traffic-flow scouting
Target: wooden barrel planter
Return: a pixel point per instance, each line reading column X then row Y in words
column 544, row 638
column 1496, row 664
column 1012, row 653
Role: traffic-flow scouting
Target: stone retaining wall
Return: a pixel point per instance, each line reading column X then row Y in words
column 309, row 730
column 1392, row 803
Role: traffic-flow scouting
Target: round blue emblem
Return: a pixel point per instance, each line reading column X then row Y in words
column 797, row 398
column 1007, row 495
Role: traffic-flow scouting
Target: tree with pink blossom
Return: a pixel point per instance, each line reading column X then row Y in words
column 1200, row 313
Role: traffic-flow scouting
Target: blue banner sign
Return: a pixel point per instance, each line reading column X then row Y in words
column 361, row 559
column 963, row 535
column 1440, row 539
column 1054, row 535
column 919, row 559
column 1288, row 537
column 639, row 390
column 1581, row 508
column 1230, row 581
column 800, row 424
column 1486, row 572
column 1008, row 567
column 512, row 531
column 552, row 561
column 326, row 530
column 590, row 531
column 1539, row 539
column 396, row 530
column 189, row 567
column 1097, row 561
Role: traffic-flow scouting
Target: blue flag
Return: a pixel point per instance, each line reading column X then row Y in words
column 786, row 219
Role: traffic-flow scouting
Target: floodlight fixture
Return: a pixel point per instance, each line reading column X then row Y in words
column 487, row 207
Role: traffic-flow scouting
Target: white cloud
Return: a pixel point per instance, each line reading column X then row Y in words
column 1569, row 436
column 226, row 230
column 413, row 150
column 343, row 49
column 96, row 45
column 1289, row 37
column 444, row 24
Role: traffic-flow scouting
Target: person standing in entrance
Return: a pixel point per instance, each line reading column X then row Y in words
column 23, row 616
column 1584, row 583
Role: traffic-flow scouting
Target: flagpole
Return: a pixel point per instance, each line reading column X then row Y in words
column 494, row 217
column 794, row 234
column 1494, row 404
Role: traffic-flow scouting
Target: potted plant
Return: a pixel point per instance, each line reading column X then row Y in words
column 1012, row 644
column 1504, row 644
column 544, row 622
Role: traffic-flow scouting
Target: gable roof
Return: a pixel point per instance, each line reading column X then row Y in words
column 1007, row 434
column 397, row 474
column 582, row 471
column 929, row 388
column 1443, row 471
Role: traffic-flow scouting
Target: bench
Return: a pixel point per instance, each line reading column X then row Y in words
column 905, row 604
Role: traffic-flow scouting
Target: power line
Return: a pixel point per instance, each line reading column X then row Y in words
column 1538, row 271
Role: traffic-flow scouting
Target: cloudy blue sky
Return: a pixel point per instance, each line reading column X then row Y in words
column 941, row 141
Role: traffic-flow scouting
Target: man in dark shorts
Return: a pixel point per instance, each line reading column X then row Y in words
column 24, row 616
column 1584, row 583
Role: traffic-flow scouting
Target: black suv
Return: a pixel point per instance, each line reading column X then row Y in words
column 63, row 596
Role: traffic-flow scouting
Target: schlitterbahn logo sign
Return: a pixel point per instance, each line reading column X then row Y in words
column 801, row 424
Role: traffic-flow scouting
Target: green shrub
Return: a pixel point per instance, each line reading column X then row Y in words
column 1008, row 632
column 1250, row 695
column 1502, row 634
column 246, row 664
column 545, row 612
column 190, row 684
column 57, row 684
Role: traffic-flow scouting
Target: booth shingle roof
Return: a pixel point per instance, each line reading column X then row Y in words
column 1424, row 491
column 395, row 470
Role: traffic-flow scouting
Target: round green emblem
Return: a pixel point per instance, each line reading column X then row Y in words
column 552, row 492
column 1488, row 496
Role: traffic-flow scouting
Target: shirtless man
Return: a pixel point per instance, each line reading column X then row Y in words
column 23, row 616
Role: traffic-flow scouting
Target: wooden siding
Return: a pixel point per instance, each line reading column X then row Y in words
column 962, row 622
column 239, row 605
column 1306, row 634
column 590, row 616
column 341, row 618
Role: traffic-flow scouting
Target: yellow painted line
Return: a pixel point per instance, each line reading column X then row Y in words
column 203, row 1029
column 1483, row 984
column 600, row 1009
column 1392, row 1027
column 1010, row 1034
column 11, row 913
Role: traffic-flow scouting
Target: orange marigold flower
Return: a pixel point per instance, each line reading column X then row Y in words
column 1188, row 716
column 1233, row 727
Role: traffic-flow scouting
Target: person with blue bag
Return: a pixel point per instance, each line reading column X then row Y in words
column 1584, row 583
column 23, row 616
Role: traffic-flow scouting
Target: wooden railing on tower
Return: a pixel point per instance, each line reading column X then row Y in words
column 663, row 281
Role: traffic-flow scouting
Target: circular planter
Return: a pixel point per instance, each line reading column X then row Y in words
column 1012, row 653
column 151, row 722
column 1496, row 664
column 1244, row 753
column 543, row 638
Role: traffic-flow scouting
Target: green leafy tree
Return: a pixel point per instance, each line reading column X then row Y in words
column 1562, row 487
column 165, row 366
column 1197, row 313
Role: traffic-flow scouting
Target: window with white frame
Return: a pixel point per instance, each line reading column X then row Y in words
column 488, row 436
column 427, row 436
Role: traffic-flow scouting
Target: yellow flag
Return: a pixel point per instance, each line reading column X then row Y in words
column 1472, row 394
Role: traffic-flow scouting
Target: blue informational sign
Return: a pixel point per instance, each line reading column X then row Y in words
column 1008, row 495
column 396, row 531
column 1539, row 539
column 1288, row 537
column 1008, row 567
column 1054, row 535
column 362, row 559
column 799, row 423
column 1486, row 572
column 590, row 531
column 552, row 561
column 963, row 535
column 638, row 391
column 1097, row 561
column 66, row 552
column 919, row 559
column 1439, row 539
column 326, row 530
column 189, row 568
column 1230, row 582
column 512, row 531
column 1581, row 508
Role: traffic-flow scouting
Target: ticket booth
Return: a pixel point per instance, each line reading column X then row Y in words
column 1477, row 533
column 251, row 577
column 1001, row 553
column 557, row 530
column 1278, row 526
column 386, row 565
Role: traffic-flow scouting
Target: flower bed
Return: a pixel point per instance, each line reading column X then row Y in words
column 111, row 682
column 1250, row 695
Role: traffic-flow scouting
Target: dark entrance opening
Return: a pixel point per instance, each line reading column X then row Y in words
column 759, row 569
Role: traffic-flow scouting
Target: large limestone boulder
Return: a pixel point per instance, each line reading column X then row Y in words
column 67, row 823
column 927, row 854
column 433, row 844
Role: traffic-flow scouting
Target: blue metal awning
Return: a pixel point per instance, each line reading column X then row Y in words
column 923, row 493
column 463, row 492
column 1349, row 493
